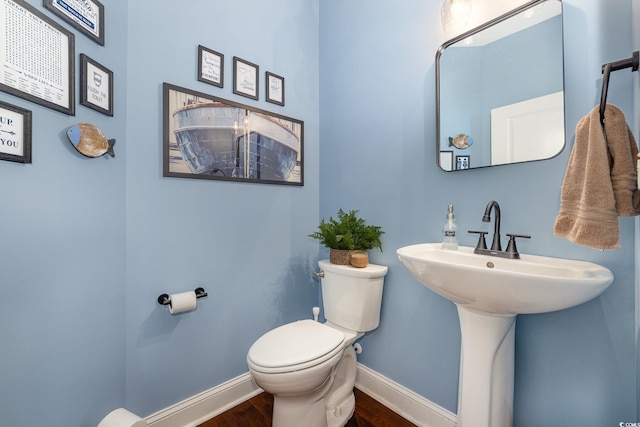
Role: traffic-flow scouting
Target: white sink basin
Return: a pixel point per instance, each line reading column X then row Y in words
column 489, row 293
column 493, row 285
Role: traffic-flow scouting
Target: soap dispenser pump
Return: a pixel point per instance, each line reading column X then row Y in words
column 450, row 231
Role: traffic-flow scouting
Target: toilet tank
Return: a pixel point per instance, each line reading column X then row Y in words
column 352, row 296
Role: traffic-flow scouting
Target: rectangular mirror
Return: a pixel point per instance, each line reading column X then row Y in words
column 500, row 90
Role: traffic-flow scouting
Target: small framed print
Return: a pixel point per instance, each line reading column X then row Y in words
column 446, row 160
column 210, row 66
column 245, row 78
column 96, row 86
column 462, row 162
column 86, row 16
column 275, row 88
column 15, row 133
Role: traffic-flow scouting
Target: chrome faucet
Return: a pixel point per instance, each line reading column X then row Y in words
column 496, row 246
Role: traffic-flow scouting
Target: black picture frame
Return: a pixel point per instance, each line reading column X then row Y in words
column 93, row 79
column 245, row 78
column 274, row 86
column 206, row 137
column 37, row 74
column 15, row 133
column 210, row 66
column 86, row 16
column 463, row 162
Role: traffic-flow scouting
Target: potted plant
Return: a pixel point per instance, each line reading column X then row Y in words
column 348, row 238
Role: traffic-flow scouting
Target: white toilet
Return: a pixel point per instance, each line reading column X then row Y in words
column 310, row 367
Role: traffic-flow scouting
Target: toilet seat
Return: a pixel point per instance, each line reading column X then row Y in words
column 295, row 346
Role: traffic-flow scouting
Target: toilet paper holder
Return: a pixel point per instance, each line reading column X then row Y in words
column 164, row 299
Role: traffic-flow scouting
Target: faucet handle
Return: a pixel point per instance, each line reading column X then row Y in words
column 511, row 246
column 482, row 243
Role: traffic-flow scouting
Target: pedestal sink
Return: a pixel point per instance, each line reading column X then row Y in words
column 489, row 293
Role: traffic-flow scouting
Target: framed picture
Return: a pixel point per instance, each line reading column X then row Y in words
column 446, row 160
column 15, row 133
column 245, row 78
column 275, row 88
column 37, row 57
column 462, row 162
column 96, row 86
column 210, row 66
column 87, row 16
column 205, row 137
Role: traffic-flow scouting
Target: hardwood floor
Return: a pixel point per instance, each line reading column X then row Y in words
column 256, row 412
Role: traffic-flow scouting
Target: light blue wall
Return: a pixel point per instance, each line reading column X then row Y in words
column 89, row 244
column 246, row 244
column 62, row 239
column 377, row 154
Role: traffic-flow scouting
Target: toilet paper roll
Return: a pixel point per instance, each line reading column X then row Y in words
column 182, row 302
column 122, row 418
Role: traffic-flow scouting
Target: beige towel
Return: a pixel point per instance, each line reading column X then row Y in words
column 600, row 182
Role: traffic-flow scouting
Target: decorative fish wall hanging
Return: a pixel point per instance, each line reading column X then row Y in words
column 89, row 141
column 461, row 141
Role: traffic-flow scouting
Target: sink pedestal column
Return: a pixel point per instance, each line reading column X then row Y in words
column 485, row 394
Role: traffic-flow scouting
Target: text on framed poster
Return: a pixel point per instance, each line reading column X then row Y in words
column 36, row 57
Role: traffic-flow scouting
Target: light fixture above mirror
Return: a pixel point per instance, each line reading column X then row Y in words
column 455, row 14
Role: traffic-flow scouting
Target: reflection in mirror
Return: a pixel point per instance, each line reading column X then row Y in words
column 500, row 90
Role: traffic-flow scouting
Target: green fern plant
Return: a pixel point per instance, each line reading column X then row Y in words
column 348, row 232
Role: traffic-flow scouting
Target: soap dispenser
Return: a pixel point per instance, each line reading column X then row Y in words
column 450, row 231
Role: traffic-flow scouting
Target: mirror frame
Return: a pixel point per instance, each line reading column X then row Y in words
column 476, row 30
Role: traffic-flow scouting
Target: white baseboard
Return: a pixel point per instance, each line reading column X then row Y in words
column 403, row 401
column 206, row 405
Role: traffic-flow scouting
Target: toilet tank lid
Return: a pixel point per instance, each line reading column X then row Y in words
column 370, row 271
column 294, row 343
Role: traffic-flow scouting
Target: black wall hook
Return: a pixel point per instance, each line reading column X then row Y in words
column 165, row 299
column 632, row 63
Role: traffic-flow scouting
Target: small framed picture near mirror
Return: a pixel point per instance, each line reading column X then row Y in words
column 15, row 133
column 245, row 78
column 210, row 66
column 462, row 162
column 275, row 88
column 96, row 86
column 446, row 160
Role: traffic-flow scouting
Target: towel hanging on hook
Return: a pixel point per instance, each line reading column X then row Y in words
column 632, row 63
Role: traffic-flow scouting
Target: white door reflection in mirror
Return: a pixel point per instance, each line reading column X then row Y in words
column 528, row 130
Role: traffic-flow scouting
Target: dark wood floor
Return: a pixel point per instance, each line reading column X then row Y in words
column 256, row 412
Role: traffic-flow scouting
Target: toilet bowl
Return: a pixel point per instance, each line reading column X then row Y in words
column 310, row 367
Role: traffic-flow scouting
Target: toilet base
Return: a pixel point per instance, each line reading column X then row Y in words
column 340, row 401
column 331, row 405
column 340, row 415
column 298, row 411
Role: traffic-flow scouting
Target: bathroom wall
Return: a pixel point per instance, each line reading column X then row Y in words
column 62, row 268
column 88, row 244
column 573, row 367
column 246, row 244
